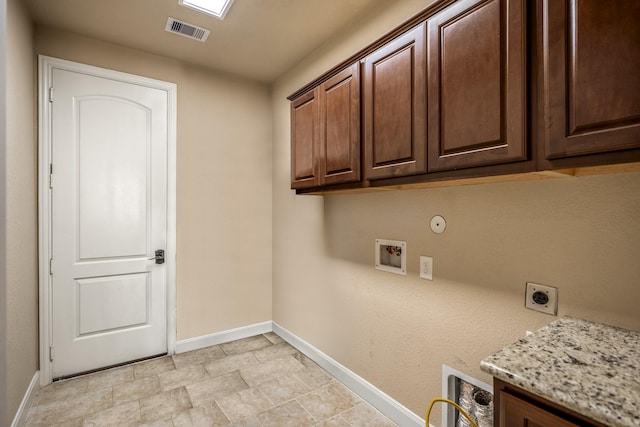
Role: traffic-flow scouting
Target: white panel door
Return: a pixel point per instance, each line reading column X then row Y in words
column 109, row 216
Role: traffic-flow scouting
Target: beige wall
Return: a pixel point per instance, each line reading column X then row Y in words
column 3, row 214
column 223, row 183
column 579, row 234
column 22, row 254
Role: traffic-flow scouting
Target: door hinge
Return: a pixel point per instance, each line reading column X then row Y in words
column 51, row 94
column 51, row 266
column 51, row 175
column 50, row 353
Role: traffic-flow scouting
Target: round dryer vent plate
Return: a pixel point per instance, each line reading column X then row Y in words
column 438, row 224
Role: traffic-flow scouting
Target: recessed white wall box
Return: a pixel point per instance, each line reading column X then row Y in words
column 438, row 224
column 391, row 256
column 454, row 386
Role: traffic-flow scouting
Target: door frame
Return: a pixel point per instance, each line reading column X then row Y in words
column 46, row 65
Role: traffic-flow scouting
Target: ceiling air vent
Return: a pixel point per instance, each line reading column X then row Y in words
column 187, row 30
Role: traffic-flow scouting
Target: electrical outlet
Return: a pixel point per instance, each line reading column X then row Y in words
column 426, row 267
column 541, row 298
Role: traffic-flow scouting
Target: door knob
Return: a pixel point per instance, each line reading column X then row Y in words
column 159, row 256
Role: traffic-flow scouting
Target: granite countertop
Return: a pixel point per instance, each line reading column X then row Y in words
column 590, row 368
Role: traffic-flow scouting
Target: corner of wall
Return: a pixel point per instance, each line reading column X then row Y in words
column 19, row 224
column 3, row 219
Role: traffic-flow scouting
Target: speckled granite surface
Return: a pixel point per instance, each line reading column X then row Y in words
column 588, row 367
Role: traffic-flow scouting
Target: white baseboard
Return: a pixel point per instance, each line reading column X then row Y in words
column 223, row 337
column 376, row 397
column 21, row 416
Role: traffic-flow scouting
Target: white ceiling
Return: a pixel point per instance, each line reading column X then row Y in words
column 258, row 39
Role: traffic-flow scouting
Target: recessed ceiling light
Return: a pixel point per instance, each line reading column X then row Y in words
column 217, row 8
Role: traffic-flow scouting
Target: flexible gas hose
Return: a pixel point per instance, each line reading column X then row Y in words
column 450, row 402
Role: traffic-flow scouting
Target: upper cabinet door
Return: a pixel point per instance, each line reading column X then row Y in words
column 476, row 68
column 394, row 107
column 590, row 76
column 305, row 140
column 340, row 127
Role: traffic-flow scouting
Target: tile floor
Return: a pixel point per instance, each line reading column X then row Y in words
column 260, row 381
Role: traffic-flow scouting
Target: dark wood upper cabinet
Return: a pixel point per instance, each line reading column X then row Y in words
column 477, row 84
column 590, row 71
column 305, row 140
column 394, row 107
column 340, row 127
column 476, row 89
column 325, row 132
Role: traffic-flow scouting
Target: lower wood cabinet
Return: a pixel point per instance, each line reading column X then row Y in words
column 519, row 412
column 589, row 76
column 516, row 407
